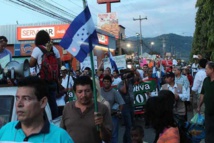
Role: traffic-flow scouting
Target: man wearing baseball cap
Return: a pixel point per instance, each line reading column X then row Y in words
column 180, row 92
column 67, row 81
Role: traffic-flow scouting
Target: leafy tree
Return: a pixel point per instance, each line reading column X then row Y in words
column 203, row 41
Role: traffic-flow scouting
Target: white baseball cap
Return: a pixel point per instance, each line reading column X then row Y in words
column 63, row 68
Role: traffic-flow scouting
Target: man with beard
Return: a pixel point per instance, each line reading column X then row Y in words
column 80, row 119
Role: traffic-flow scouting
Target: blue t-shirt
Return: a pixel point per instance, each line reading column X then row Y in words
column 11, row 132
column 5, row 53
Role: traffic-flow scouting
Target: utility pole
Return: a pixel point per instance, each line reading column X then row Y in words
column 141, row 39
column 164, row 46
column 138, row 44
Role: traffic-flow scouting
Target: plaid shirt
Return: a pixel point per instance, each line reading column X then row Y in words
column 183, row 80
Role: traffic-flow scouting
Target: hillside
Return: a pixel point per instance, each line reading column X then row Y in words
column 179, row 45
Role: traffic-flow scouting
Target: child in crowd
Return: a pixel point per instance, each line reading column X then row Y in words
column 137, row 134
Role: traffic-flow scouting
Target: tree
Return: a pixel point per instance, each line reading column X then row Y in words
column 203, row 40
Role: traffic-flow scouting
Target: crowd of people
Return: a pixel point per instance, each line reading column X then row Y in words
column 85, row 119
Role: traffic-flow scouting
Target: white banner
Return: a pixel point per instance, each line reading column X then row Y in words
column 87, row 63
column 119, row 60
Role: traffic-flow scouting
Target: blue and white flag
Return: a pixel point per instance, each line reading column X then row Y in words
column 113, row 63
column 162, row 71
column 80, row 36
column 154, row 71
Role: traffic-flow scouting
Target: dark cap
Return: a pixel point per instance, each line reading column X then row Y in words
column 170, row 74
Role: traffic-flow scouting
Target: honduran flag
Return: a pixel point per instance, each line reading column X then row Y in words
column 113, row 63
column 154, row 71
column 80, row 36
column 162, row 71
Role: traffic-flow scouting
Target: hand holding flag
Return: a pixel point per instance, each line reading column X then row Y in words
column 113, row 63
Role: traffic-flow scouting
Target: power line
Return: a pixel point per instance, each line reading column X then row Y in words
column 40, row 10
column 59, row 10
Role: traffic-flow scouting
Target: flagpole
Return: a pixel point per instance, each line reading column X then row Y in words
column 92, row 68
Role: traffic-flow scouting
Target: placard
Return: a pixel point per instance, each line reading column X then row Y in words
column 119, row 60
column 87, row 63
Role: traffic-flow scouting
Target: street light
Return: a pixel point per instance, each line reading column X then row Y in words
column 128, row 45
column 152, row 43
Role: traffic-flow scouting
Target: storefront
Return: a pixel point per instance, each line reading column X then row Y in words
column 21, row 41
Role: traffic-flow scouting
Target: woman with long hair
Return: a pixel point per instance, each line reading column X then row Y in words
column 159, row 114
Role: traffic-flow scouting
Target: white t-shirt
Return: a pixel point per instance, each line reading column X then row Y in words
column 37, row 54
column 65, row 81
column 116, row 81
column 61, row 101
column 141, row 73
column 198, row 80
column 194, row 67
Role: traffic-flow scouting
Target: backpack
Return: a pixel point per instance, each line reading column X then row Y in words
column 49, row 67
column 185, row 136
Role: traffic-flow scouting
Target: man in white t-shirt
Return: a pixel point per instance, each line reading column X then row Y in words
column 67, row 82
column 116, row 78
column 194, row 67
column 42, row 39
column 197, row 85
column 66, row 89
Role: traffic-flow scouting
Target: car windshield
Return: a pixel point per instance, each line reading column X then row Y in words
column 6, row 108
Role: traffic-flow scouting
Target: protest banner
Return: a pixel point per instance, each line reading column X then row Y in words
column 119, row 60
column 140, row 91
column 87, row 63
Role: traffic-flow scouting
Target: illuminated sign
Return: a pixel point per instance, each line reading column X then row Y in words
column 103, row 39
column 107, row 1
column 29, row 33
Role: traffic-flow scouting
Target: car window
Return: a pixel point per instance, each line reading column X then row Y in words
column 6, row 108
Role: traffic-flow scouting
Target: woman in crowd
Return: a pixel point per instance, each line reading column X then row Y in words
column 159, row 114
